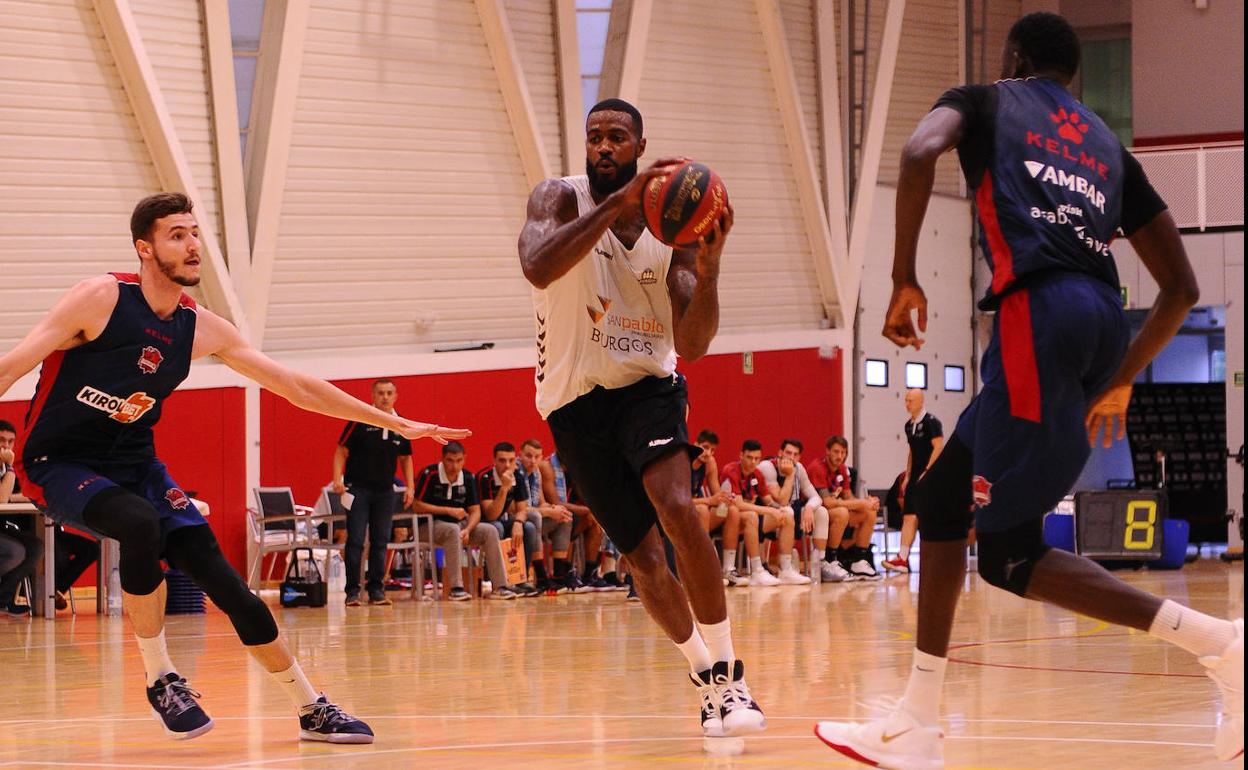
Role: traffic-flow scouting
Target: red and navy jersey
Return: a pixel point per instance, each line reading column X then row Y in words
column 1053, row 185
column 100, row 400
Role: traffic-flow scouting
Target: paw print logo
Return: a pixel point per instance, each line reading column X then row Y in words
column 1070, row 125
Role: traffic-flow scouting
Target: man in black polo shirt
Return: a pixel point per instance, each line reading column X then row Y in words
column 449, row 492
column 925, row 437
column 364, row 463
column 504, row 493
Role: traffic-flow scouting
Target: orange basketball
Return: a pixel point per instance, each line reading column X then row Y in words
column 684, row 205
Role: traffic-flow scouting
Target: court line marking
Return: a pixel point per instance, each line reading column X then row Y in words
column 1065, row 637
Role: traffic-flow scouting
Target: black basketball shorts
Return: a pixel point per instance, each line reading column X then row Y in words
column 607, row 437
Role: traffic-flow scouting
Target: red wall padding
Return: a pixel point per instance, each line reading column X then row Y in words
column 791, row 393
column 200, row 437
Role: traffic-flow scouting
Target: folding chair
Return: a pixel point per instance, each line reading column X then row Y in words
column 277, row 525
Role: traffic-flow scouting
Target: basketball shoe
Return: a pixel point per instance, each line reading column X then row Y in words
column 734, row 579
column 791, row 577
column 323, row 721
column 761, row 577
column 1227, row 671
column 737, row 709
column 173, row 703
column 712, row 723
column 894, row 742
column 897, row 564
column 833, row 572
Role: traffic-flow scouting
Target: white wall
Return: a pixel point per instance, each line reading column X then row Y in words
column 1187, row 67
column 944, row 269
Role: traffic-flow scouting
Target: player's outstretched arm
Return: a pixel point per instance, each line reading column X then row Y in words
column 214, row 336
column 1161, row 250
column 938, row 133
column 693, row 283
column 79, row 316
column 555, row 238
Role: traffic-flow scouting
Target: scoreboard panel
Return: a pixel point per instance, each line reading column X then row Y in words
column 1124, row 524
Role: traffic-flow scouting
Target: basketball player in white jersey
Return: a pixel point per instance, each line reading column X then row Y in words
column 614, row 308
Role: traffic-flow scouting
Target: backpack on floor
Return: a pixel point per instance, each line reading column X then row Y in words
column 303, row 586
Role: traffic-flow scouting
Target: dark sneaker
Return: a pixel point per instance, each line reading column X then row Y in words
column 575, row 585
column 173, row 703
column 613, row 580
column 712, row 724
column 506, row 593
column 598, row 585
column 379, row 598
column 353, row 599
column 15, row 610
column 526, row 590
column 632, row 591
column 458, row 594
column 323, row 721
column 740, row 714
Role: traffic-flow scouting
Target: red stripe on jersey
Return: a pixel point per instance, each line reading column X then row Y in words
column 998, row 248
column 126, row 277
column 346, row 433
column 423, row 481
column 47, row 380
column 1018, row 355
column 187, row 301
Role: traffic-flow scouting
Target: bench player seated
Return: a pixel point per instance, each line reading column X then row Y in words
column 835, row 482
column 505, row 494
column 713, row 504
column 760, row 515
column 787, row 480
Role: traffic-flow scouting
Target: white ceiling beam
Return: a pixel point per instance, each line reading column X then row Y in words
column 268, row 146
column 834, row 186
column 571, row 103
column 872, row 149
column 805, row 176
column 236, row 234
column 625, row 55
column 161, row 137
column 515, row 89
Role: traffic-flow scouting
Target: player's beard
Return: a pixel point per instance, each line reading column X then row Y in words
column 170, row 270
column 624, row 174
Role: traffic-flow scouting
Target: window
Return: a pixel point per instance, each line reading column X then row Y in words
column 1105, row 83
column 955, row 379
column 245, row 22
column 876, row 373
column 916, row 375
column 592, row 19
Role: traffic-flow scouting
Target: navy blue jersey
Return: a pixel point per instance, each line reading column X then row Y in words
column 99, row 401
column 1053, row 185
column 698, row 477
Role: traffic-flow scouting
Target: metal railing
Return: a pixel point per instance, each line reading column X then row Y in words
column 1202, row 184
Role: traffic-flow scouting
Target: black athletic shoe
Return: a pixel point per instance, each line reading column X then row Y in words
column 323, row 721
column 598, row 585
column 632, row 591
column 614, row 582
column 353, row 599
column 458, row 594
column 712, row 722
column 378, row 597
column 526, row 590
column 15, row 610
column 173, row 703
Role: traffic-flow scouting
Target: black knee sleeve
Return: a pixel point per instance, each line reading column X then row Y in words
column 942, row 497
column 135, row 525
column 1007, row 558
column 195, row 551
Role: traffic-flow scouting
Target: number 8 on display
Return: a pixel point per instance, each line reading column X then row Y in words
column 1141, row 517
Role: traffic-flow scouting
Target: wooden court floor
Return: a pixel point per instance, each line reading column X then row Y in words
column 587, row 681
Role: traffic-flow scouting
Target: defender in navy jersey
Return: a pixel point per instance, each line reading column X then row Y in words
column 1052, row 187
column 113, row 348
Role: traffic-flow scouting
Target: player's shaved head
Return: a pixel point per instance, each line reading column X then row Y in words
column 1041, row 43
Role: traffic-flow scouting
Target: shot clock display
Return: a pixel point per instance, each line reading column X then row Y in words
column 1120, row 524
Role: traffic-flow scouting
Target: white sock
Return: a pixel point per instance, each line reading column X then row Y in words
column 730, row 559
column 694, row 650
column 756, row 564
column 1196, row 632
column 718, row 638
column 927, row 678
column 155, row 656
column 786, row 563
column 296, row 685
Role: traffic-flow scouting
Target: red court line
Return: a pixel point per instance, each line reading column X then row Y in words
column 968, row 645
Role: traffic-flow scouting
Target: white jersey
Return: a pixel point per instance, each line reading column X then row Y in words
column 607, row 321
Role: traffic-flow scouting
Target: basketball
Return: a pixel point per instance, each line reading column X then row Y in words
column 684, row 205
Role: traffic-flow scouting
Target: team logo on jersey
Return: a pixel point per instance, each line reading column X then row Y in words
column 596, row 315
column 1062, row 178
column 981, row 491
column 1069, row 126
column 125, row 410
column 177, row 498
column 647, row 277
column 150, row 360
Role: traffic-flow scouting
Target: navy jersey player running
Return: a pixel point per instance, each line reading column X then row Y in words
column 1052, row 186
column 113, row 348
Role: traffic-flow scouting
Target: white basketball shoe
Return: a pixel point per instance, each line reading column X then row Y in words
column 1227, row 671
column 894, row 742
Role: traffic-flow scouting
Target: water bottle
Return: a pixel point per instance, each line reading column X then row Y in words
column 722, row 511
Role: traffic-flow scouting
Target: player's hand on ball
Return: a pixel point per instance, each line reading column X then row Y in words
column 1109, row 405
column 636, row 187
column 711, row 246
column 439, row 433
column 898, row 323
